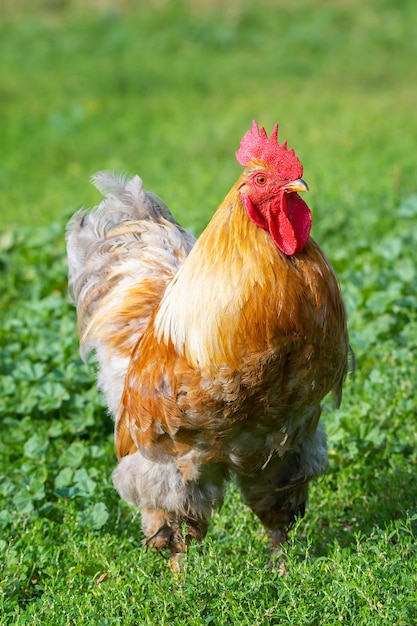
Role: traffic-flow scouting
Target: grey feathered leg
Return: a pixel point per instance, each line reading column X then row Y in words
column 278, row 493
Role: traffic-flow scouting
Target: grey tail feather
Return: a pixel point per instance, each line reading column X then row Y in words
column 130, row 192
column 110, row 183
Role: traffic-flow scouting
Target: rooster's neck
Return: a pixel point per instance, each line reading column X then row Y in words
column 212, row 304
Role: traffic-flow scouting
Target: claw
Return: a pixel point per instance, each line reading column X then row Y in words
column 277, row 564
column 177, row 562
column 176, row 539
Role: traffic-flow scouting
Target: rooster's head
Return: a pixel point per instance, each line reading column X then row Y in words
column 269, row 189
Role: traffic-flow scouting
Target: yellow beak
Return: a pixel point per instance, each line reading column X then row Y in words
column 296, row 185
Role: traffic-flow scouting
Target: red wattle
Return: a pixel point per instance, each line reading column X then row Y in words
column 290, row 224
column 287, row 219
column 282, row 232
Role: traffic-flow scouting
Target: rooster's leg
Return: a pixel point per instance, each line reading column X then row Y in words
column 278, row 493
column 174, row 510
column 276, row 506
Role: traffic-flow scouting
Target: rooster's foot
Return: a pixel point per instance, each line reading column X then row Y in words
column 177, row 537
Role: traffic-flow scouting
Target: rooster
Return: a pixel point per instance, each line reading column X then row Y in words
column 214, row 355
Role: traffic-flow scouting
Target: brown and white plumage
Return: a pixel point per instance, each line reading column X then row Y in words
column 121, row 255
column 214, row 356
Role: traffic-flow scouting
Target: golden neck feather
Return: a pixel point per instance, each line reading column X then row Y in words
column 205, row 307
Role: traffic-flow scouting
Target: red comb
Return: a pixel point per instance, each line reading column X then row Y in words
column 256, row 144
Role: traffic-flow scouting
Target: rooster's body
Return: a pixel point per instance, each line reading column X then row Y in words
column 214, row 356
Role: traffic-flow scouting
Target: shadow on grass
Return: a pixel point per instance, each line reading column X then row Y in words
column 366, row 503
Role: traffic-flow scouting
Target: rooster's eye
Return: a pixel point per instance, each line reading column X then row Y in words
column 260, row 179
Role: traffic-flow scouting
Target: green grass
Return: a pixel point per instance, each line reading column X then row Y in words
column 167, row 90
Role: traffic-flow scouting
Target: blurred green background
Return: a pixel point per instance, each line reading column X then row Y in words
column 167, row 89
